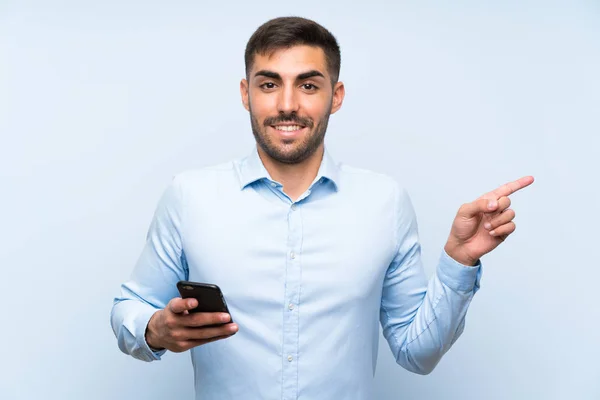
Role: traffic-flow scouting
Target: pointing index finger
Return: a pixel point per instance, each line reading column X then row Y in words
column 509, row 188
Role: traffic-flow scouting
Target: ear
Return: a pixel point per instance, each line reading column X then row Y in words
column 244, row 93
column 338, row 96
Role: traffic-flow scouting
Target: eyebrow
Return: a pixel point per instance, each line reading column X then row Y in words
column 309, row 74
column 268, row 74
column 302, row 76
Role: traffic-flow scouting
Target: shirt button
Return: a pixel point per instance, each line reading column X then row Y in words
column 292, row 255
column 293, row 207
column 290, row 358
column 273, row 184
column 291, row 306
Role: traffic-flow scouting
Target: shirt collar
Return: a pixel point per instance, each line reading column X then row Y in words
column 252, row 169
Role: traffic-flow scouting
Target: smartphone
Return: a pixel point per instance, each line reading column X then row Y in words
column 209, row 296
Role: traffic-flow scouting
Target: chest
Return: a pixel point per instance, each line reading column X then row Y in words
column 261, row 252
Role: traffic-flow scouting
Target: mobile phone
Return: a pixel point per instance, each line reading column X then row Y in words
column 209, row 296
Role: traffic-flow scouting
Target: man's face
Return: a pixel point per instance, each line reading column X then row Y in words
column 290, row 97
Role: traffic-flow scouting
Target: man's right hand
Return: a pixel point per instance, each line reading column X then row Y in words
column 175, row 328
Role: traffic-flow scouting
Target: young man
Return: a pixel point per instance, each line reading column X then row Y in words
column 311, row 255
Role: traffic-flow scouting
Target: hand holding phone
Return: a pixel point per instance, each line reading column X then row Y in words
column 199, row 317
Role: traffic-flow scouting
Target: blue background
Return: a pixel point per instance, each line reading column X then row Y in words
column 102, row 102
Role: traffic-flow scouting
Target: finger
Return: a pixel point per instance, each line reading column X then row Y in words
column 201, row 319
column 209, row 333
column 478, row 206
column 503, row 218
column 503, row 204
column 509, row 188
column 504, row 230
column 179, row 305
column 188, row 344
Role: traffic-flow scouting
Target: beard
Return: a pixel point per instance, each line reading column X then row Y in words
column 290, row 151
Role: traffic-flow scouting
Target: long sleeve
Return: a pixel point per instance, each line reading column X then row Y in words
column 152, row 284
column 421, row 320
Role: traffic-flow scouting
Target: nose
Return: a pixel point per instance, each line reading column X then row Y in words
column 288, row 101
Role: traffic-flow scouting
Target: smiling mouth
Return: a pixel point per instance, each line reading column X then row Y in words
column 287, row 128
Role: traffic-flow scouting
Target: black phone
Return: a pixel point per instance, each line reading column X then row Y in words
column 209, row 296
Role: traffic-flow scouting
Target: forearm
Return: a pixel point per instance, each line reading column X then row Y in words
column 129, row 319
column 420, row 343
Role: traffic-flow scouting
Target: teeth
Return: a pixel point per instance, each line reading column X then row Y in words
column 289, row 128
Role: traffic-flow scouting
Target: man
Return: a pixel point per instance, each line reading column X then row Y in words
column 311, row 255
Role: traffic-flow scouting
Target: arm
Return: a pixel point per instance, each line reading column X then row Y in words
column 153, row 282
column 421, row 320
column 421, row 324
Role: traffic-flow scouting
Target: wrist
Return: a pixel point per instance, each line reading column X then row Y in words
column 152, row 339
column 459, row 256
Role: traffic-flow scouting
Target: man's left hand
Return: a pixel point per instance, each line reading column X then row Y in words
column 480, row 226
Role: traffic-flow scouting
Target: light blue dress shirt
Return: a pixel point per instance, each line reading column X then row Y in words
column 307, row 281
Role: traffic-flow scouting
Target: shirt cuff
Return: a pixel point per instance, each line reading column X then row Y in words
column 457, row 276
column 142, row 320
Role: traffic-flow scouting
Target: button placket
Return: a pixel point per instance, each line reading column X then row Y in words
column 292, row 290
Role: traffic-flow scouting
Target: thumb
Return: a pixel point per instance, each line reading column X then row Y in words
column 179, row 305
column 478, row 206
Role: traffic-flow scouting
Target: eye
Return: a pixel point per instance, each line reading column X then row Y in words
column 309, row 86
column 268, row 85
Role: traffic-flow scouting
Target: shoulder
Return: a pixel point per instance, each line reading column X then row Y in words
column 204, row 175
column 378, row 183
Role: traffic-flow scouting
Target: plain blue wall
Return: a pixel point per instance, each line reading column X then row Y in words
column 101, row 102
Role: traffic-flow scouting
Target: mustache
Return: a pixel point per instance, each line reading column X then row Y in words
column 293, row 117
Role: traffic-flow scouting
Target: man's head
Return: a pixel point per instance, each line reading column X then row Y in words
column 291, row 87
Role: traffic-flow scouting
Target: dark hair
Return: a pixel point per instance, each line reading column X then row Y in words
column 286, row 32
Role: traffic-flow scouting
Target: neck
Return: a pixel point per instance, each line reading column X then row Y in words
column 295, row 178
